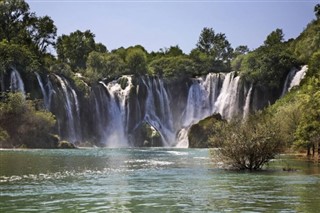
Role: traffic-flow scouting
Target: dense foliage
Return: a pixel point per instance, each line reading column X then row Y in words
column 21, row 125
column 249, row 144
column 27, row 43
column 293, row 122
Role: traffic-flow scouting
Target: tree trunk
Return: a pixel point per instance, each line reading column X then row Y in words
column 313, row 150
column 316, row 147
column 308, row 151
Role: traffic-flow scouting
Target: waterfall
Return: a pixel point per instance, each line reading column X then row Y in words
column 71, row 106
column 298, row 77
column 293, row 79
column 227, row 103
column 206, row 98
column 116, row 109
column 201, row 99
column 16, row 82
column 51, row 91
column 288, row 80
column 46, row 96
column 158, row 112
column 246, row 108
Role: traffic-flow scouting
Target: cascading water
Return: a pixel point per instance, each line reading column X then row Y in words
column 246, row 108
column 227, row 103
column 206, row 98
column 16, row 82
column 298, row 77
column 293, row 79
column 119, row 109
column 158, row 113
column 114, row 131
column 47, row 96
column 72, row 110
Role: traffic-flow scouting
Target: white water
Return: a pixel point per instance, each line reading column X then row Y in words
column 16, row 82
column 115, row 134
column 44, row 94
column 70, row 104
column 115, row 119
column 227, row 102
column 298, row 77
column 293, row 79
column 246, row 108
column 158, row 112
column 288, row 80
column 205, row 99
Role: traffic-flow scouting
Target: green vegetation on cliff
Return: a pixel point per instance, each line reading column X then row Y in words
column 21, row 125
column 25, row 41
column 293, row 122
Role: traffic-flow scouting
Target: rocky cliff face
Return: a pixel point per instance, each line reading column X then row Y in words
column 143, row 111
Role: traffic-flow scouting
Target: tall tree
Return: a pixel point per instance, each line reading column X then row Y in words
column 18, row 25
column 214, row 44
column 216, row 47
column 240, row 50
column 308, row 131
column 75, row 48
column 317, row 11
column 274, row 38
column 43, row 32
column 14, row 14
column 136, row 60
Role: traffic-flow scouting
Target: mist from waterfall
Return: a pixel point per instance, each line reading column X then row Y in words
column 116, row 109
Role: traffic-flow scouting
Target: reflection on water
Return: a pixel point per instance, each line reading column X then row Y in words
column 149, row 180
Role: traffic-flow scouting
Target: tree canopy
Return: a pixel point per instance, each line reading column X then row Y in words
column 20, row 26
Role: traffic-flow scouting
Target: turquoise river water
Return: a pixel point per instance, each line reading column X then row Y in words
column 150, row 180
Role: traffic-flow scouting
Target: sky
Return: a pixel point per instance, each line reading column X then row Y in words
column 157, row 24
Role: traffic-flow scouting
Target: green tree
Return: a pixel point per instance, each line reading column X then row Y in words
column 274, row 38
column 307, row 43
column 317, row 11
column 308, row 131
column 286, row 113
column 99, row 47
column 136, row 60
column 249, row 145
column 314, row 65
column 104, row 65
column 217, row 48
column 14, row 55
column 13, row 15
column 241, row 50
column 172, row 67
column 18, row 25
column 21, row 124
column 43, row 32
column 173, row 51
column 75, row 48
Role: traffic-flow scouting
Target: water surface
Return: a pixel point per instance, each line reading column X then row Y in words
column 149, row 180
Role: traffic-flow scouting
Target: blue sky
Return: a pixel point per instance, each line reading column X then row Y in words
column 158, row 24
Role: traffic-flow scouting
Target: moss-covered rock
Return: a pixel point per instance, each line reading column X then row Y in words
column 199, row 133
column 146, row 136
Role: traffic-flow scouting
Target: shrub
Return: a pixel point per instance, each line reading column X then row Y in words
column 249, row 145
column 21, row 124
